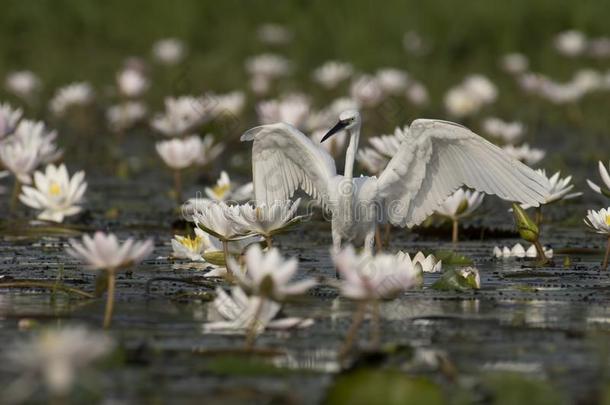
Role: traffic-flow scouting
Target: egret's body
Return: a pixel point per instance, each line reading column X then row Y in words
column 434, row 158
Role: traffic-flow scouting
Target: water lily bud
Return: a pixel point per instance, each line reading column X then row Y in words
column 216, row 257
column 528, row 230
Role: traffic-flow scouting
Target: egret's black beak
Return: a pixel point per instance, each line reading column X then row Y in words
column 337, row 128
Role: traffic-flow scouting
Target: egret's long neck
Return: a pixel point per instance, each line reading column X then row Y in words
column 352, row 149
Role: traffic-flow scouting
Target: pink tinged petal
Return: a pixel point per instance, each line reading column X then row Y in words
column 299, row 287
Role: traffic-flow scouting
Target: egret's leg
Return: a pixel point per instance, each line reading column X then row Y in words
column 369, row 241
column 336, row 246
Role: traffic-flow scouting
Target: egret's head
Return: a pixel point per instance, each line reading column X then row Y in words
column 348, row 119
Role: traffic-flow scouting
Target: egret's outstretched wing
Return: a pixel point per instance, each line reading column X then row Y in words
column 436, row 158
column 283, row 160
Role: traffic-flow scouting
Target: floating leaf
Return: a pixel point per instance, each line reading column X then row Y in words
column 388, row 387
column 464, row 279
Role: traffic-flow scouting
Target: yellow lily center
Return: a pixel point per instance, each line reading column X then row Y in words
column 55, row 189
column 608, row 220
column 221, row 190
column 191, row 244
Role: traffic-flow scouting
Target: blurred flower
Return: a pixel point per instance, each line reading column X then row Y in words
column 461, row 203
column 266, row 220
column 168, row 51
column 519, row 251
column 274, row 34
column 228, row 104
column 123, row 116
column 209, row 150
column 508, row 132
column 365, row 277
column 23, row 83
column 514, row 63
column 240, row 314
column 180, row 153
column 417, row 94
column 524, row 153
column 181, row 115
column 269, row 275
column 55, row 358
column 392, row 81
column 470, row 96
column 571, row 43
column 366, row 91
column 560, row 188
column 375, row 159
column 103, row 251
column 292, row 109
column 260, row 85
column 9, row 117
column 413, row 42
column 331, row 73
column 55, row 193
column 599, row 47
column 35, row 135
column 268, row 66
column 605, row 176
column 20, row 159
column 131, row 82
column 225, row 190
column 74, row 94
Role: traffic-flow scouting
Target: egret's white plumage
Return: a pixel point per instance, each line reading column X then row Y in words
column 433, row 160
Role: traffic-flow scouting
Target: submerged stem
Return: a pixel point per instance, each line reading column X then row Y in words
column 353, row 330
column 541, row 256
column 109, row 298
column 607, row 256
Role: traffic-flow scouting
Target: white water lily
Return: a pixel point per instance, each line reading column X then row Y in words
column 519, row 251
column 9, row 117
column 292, row 109
column 180, row 153
column 35, row 135
column 181, row 115
column 508, row 132
column 131, row 82
column 266, row 220
column 461, row 203
column 560, row 188
column 331, row 73
column 599, row 221
column 604, row 173
column 514, row 63
column 392, row 81
column 74, row 94
column 365, row 277
column 169, row 51
column 54, row 358
column 193, row 248
column 269, row 275
column 225, row 190
column 470, row 96
column 55, row 194
column 23, row 83
column 104, row 251
column 366, row 91
column 525, row 153
column 123, row 116
column 428, row 264
column 384, row 148
column 20, row 159
column 219, row 220
column 240, row 313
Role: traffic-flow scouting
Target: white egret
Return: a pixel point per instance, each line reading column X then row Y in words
column 433, row 160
